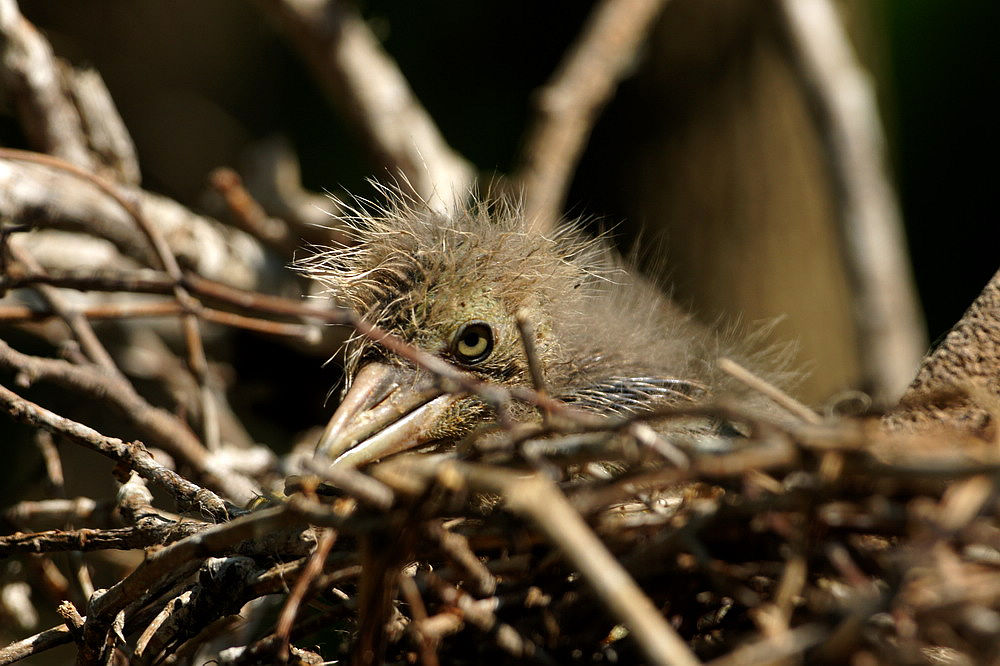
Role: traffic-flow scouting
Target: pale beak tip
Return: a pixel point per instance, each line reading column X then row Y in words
column 387, row 410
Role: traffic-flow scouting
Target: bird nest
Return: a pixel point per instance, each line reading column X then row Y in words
column 577, row 539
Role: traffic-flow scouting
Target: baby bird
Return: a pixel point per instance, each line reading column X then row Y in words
column 453, row 284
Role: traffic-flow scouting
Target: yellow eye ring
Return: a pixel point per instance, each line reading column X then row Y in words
column 473, row 342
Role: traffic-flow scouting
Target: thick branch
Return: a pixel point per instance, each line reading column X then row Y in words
column 39, row 196
column 30, row 75
column 888, row 319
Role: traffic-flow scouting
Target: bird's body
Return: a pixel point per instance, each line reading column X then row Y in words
column 453, row 285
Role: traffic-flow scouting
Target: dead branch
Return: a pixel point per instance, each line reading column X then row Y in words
column 32, row 645
column 87, row 539
column 31, row 77
column 842, row 99
column 367, row 87
column 163, row 428
column 42, row 197
column 249, row 215
column 107, row 137
column 568, row 105
column 272, row 173
column 76, row 322
column 188, row 495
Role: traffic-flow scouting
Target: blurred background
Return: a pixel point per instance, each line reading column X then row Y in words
column 707, row 151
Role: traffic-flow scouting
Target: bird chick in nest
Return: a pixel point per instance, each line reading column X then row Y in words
column 453, row 284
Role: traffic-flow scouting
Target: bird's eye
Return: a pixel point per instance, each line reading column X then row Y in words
column 473, row 341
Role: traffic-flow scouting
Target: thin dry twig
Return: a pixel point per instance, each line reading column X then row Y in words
column 534, row 497
column 76, row 322
column 133, row 454
column 305, row 581
column 426, row 642
column 162, row 427
column 89, row 540
column 763, row 387
column 249, row 215
column 155, row 282
column 57, row 485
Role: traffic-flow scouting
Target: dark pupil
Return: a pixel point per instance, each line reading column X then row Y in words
column 471, row 338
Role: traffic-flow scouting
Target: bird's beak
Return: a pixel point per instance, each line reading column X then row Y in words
column 388, row 409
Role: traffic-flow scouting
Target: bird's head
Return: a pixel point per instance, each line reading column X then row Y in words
column 453, row 285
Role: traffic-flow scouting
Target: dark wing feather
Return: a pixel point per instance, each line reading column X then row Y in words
column 623, row 396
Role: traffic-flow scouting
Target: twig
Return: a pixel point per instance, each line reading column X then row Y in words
column 162, row 427
column 272, row 173
column 145, row 281
column 155, row 282
column 32, row 645
column 51, row 511
column 790, row 404
column 57, row 482
column 152, row 640
column 219, row 539
column 568, row 105
column 774, row 649
column 192, row 336
column 425, row 642
column 456, row 547
column 358, row 485
column 76, row 322
column 308, row 333
column 536, row 498
column 890, row 338
column 479, row 613
column 88, row 539
column 305, row 581
column 368, row 88
column 248, row 214
column 530, row 351
column 134, row 454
